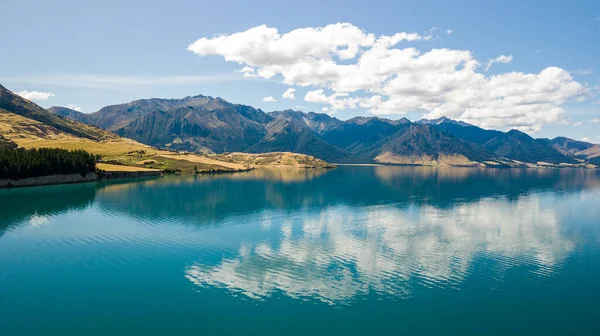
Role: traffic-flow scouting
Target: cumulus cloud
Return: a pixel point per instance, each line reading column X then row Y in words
column 585, row 139
column 289, row 94
column 269, row 99
column 449, row 31
column 74, row 107
column 500, row 59
column 595, row 121
column 35, row 95
column 348, row 68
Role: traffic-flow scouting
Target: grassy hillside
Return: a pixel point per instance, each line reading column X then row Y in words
column 592, row 152
column 12, row 103
column 34, row 127
column 273, row 159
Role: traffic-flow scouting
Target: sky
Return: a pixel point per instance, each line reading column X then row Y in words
column 532, row 66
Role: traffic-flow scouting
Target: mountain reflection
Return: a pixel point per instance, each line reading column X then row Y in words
column 34, row 205
column 209, row 199
column 204, row 199
column 340, row 252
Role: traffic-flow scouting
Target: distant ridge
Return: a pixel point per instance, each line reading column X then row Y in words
column 442, row 120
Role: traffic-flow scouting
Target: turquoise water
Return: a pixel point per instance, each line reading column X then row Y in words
column 354, row 250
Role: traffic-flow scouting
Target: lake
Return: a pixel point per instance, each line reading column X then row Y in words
column 352, row 250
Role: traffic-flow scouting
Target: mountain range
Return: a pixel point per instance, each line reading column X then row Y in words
column 205, row 124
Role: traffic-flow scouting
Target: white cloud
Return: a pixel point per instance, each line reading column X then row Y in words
column 348, row 68
column 74, row 107
column 449, row 31
column 269, row 99
column 595, row 121
column 35, row 95
column 586, row 139
column 500, row 59
column 577, row 123
column 289, row 94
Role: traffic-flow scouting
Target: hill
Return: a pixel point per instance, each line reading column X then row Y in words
column 569, row 146
column 68, row 113
column 591, row 152
column 424, row 145
column 359, row 134
column 317, row 122
column 519, row 146
column 27, row 125
column 467, row 132
column 291, row 136
column 14, row 107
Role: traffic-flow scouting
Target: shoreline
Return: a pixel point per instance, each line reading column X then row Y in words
column 483, row 166
column 58, row 179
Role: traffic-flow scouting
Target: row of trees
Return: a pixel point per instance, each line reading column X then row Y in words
column 22, row 163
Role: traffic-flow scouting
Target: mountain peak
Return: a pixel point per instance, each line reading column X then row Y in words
column 442, row 120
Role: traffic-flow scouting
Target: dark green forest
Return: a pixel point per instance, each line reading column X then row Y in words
column 22, row 163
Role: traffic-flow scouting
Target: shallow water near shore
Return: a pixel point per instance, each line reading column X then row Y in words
column 352, row 250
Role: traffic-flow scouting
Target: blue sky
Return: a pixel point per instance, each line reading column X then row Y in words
column 93, row 54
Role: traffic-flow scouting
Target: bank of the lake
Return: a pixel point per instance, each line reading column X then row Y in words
column 75, row 178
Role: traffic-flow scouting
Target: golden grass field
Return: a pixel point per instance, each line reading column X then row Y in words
column 118, row 168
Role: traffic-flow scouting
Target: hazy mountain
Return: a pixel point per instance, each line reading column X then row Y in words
column 519, row 146
column 418, row 143
column 360, row 133
column 468, row 132
column 66, row 112
column 288, row 135
column 316, row 122
column 569, row 146
column 442, row 120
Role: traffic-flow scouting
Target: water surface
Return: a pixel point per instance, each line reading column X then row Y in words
column 354, row 250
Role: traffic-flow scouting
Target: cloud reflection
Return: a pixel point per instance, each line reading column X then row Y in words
column 339, row 253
